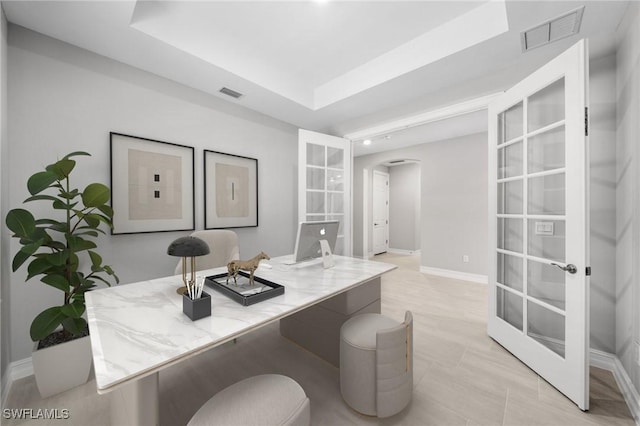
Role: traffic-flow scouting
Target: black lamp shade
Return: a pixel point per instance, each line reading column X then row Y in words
column 188, row 247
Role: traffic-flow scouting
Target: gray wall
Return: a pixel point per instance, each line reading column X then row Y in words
column 602, row 202
column 627, row 275
column 4, row 190
column 64, row 99
column 454, row 205
column 404, row 207
column 453, row 201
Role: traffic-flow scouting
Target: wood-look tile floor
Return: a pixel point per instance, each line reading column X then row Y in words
column 461, row 376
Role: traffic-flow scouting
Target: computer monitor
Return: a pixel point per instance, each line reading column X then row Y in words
column 309, row 236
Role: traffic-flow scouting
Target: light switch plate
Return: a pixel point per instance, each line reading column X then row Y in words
column 544, row 228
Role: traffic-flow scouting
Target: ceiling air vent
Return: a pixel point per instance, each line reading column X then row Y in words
column 558, row 28
column 230, row 92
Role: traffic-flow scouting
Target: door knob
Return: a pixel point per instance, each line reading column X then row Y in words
column 570, row 268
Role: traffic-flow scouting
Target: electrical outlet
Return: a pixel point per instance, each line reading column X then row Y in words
column 465, row 258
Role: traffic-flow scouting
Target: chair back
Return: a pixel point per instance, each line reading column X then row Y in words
column 223, row 248
column 394, row 367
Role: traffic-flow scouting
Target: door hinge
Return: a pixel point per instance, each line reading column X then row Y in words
column 586, row 121
column 588, row 271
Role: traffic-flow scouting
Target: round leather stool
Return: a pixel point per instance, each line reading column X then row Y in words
column 268, row 399
column 376, row 356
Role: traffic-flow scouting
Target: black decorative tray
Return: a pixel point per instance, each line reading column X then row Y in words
column 243, row 292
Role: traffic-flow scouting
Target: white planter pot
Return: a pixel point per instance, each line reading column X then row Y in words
column 62, row 367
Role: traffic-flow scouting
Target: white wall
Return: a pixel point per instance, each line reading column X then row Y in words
column 63, row 99
column 404, row 207
column 627, row 321
column 453, row 201
column 5, row 345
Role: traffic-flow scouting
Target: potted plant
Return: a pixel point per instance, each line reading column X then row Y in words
column 59, row 248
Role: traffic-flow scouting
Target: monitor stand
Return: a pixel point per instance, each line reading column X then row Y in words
column 327, row 257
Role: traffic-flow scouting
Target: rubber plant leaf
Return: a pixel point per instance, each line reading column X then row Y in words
column 21, row 222
column 61, row 168
column 41, row 181
column 57, row 281
column 46, row 322
column 95, row 195
column 25, row 253
column 76, row 153
column 74, row 326
column 37, row 266
column 73, row 310
column 79, row 244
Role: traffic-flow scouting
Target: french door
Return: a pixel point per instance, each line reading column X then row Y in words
column 324, row 179
column 539, row 223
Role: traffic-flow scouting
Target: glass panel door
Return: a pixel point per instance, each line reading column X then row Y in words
column 510, row 215
column 538, row 301
column 325, row 183
column 531, row 156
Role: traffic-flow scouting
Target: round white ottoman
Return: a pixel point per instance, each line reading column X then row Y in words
column 376, row 376
column 268, row 399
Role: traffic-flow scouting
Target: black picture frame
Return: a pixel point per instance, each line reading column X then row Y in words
column 152, row 185
column 230, row 191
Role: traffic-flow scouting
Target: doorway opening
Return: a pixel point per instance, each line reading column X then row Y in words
column 391, row 202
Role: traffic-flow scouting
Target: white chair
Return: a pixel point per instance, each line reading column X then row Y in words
column 223, row 246
column 268, row 399
column 376, row 364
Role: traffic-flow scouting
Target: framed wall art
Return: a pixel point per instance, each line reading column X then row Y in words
column 152, row 185
column 230, row 191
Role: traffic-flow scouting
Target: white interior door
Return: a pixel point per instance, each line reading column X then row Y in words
column 539, row 224
column 380, row 212
column 324, row 179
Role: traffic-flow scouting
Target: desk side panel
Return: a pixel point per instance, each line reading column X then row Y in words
column 317, row 328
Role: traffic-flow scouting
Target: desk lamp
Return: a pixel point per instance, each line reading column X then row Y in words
column 187, row 247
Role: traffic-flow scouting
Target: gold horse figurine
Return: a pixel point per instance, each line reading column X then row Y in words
column 246, row 265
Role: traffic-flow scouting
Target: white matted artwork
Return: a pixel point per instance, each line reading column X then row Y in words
column 230, row 191
column 152, row 185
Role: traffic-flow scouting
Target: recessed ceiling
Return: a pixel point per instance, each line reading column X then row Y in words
column 334, row 67
column 308, row 53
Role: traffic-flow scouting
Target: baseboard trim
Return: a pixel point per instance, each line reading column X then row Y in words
column 601, row 359
column 15, row 371
column 4, row 389
column 447, row 273
column 403, row 251
column 610, row 362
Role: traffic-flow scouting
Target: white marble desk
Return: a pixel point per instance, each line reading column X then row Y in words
column 139, row 329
